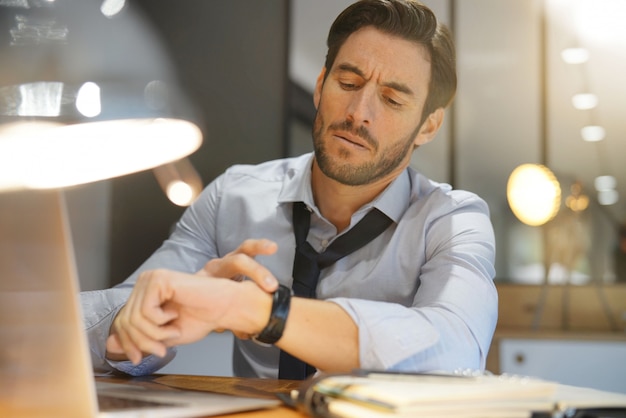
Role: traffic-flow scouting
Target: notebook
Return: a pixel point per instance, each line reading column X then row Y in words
column 45, row 366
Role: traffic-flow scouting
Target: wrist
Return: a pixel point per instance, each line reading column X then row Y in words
column 281, row 303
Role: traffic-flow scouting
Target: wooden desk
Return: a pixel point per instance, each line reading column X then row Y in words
column 267, row 388
column 258, row 388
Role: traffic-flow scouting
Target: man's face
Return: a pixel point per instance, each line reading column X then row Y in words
column 369, row 108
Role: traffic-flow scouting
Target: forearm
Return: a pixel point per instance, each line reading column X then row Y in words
column 322, row 334
column 421, row 339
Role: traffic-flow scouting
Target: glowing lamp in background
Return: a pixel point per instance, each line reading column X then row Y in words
column 575, row 55
column 534, row 194
column 180, row 181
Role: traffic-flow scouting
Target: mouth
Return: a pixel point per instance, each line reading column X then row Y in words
column 351, row 140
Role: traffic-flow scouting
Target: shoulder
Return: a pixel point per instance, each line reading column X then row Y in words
column 425, row 191
column 449, row 218
column 439, row 199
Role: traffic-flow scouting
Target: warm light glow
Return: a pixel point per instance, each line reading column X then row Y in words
column 43, row 156
column 180, row 193
column 585, row 101
column 534, row 194
column 575, row 55
column 180, row 181
column 593, row 133
column 577, row 201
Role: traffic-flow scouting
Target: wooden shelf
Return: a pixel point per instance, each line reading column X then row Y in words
column 576, row 313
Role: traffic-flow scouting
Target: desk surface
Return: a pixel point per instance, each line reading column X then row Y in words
column 258, row 388
column 267, row 388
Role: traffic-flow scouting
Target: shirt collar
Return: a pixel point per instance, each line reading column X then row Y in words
column 393, row 201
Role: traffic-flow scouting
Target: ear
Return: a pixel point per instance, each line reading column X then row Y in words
column 317, row 94
column 429, row 128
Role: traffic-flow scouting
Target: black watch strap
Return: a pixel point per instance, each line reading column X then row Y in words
column 273, row 331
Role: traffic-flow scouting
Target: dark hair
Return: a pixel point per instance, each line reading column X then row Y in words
column 409, row 20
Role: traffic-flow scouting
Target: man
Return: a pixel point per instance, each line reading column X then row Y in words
column 418, row 297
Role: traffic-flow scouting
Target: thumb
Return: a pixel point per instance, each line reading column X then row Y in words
column 113, row 344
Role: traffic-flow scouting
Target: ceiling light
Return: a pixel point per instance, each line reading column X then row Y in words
column 608, row 197
column 593, row 133
column 605, row 183
column 600, row 22
column 585, row 101
column 534, row 194
column 575, row 55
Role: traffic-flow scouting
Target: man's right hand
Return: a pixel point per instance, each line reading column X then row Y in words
column 168, row 308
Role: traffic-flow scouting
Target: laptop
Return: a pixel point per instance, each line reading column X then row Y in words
column 45, row 366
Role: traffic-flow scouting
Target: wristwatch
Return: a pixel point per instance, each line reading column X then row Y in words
column 273, row 331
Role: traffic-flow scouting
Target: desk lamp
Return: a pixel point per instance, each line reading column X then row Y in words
column 86, row 93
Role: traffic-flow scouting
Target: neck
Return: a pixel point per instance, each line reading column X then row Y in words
column 337, row 202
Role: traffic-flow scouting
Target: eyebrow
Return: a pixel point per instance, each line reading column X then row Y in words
column 401, row 87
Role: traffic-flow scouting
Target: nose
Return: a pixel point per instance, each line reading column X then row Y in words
column 361, row 107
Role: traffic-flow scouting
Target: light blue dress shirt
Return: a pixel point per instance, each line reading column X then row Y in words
column 421, row 293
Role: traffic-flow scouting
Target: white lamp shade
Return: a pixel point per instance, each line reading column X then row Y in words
column 44, row 156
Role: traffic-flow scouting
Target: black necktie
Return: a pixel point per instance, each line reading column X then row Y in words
column 307, row 265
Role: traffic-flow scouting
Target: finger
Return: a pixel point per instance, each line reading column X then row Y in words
column 238, row 265
column 147, row 309
column 250, row 247
column 245, row 266
column 148, row 320
column 241, row 335
column 120, row 343
column 137, row 327
column 136, row 345
column 254, row 247
column 113, row 345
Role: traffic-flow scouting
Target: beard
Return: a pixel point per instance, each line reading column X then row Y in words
column 337, row 167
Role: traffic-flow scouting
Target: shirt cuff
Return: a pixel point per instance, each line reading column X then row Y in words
column 389, row 333
column 149, row 364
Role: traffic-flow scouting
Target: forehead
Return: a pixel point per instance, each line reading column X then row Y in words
column 387, row 58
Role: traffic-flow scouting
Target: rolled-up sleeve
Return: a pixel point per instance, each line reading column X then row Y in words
column 450, row 322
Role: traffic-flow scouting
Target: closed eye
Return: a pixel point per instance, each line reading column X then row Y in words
column 393, row 102
column 348, row 86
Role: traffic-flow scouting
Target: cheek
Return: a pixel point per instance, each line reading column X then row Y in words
column 395, row 133
column 395, row 128
column 330, row 103
column 328, row 113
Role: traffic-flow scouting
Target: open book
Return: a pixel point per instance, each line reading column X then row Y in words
column 386, row 394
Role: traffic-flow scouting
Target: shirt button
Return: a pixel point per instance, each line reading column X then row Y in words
column 324, row 243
